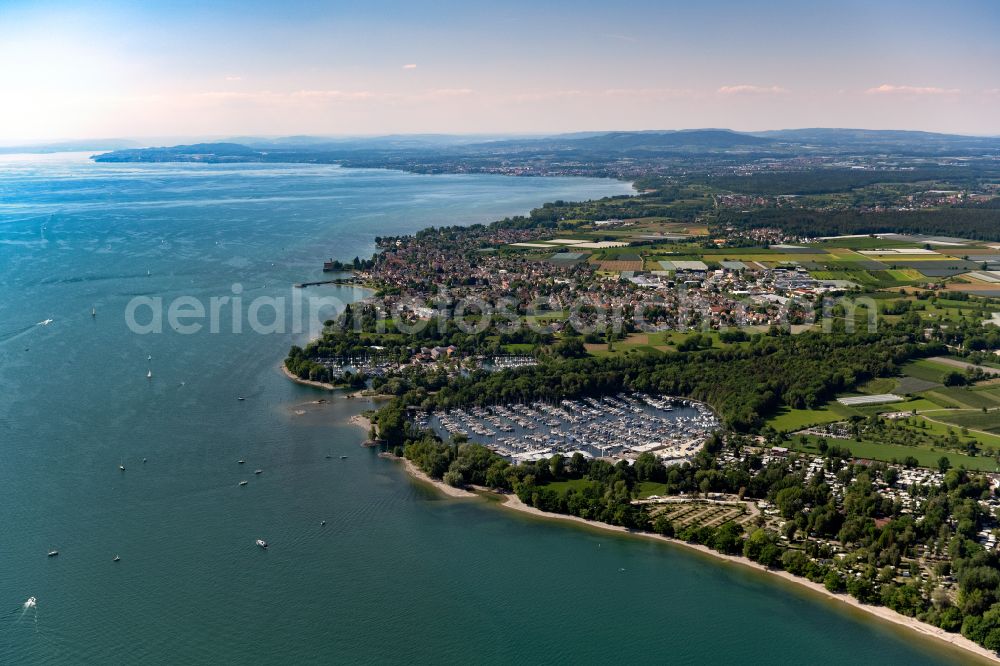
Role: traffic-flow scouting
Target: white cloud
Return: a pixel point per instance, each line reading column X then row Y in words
column 649, row 93
column 542, row 95
column 410, row 66
column 234, row 78
column 887, row 89
column 622, row 38
column 747, row 89
column 332, row 94
column 449, row 92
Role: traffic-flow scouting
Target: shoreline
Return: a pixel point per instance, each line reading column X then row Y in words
column 361, row 421
column 512, row 502
column 305, row 382
column 442, row 487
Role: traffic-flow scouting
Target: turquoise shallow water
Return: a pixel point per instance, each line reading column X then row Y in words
column 397, row 574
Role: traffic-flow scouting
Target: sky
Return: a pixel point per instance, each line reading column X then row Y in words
column 199, row 69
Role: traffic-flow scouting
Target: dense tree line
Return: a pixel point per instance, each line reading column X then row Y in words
column 743, row 384
column 976, row 222
column 822, row 181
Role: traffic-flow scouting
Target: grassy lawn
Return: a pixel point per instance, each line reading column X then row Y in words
column 562, row 486
column 919, row 404
column 649, row 488
column 878, row 385
column 790, row 420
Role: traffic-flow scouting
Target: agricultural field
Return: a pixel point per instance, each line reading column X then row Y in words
column 929, row 371
column 864, row 243
column 925, row 456
column 878, row 386
column 975, row 420
column 965, row 398
column 909, row 385
column 933, row 425
column 620, row 266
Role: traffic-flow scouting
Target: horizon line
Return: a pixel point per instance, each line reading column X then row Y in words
column 229, row 138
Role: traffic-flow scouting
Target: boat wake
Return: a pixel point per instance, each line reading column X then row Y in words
column 7, row 336
column 28, row 607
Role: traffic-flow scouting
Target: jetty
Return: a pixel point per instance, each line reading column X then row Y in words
column 342, row 281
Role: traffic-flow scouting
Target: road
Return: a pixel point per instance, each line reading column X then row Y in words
column 962, row 365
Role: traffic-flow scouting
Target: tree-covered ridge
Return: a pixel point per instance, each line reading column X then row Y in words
column 975, row 222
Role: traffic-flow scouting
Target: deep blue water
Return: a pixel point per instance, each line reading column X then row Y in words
column 397, row 575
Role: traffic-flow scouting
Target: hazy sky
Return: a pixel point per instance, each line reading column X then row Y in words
column 220, row 68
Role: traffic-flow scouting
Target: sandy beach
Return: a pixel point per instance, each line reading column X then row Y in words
column 361, row 421
column 306, row 382
column 443, row 487
column 513, row 503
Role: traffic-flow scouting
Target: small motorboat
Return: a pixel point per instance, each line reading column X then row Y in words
column 343, row 457
column 53, row 553
column 243, row 483
column 31, row 602
column 329, row 457
column 322, row 523
column 116, row 559
column 122, row 467
column 262, row 543
column 258, row 471
column 241, row 398
column 241, row 461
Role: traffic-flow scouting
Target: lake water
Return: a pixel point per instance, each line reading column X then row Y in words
column 397, row 574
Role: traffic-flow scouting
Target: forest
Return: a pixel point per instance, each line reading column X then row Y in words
column 974, row 222
column 823, row 181
column 743, row 384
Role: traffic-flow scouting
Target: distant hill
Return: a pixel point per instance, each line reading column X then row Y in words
column 387, row 141
column 443, row 153
column 887, row 139
column 683, row 139
column 319, row 149
column 82, row 145
column 695, row 141
column 198, row 152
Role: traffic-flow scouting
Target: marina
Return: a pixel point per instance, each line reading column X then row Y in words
column 619, row 427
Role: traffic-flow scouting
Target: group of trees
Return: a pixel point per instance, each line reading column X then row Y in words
column 742, row 383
